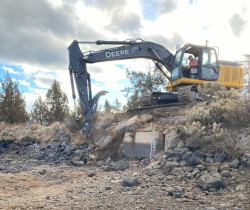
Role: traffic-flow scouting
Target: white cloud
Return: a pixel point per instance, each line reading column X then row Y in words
column 23, row 82
column 44, row 80
column 196, row 23
column 189, row 21
column 10, row 70
column 32, row 95
column 122, row 100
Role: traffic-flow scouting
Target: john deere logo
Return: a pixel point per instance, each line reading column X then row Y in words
column 116, row 53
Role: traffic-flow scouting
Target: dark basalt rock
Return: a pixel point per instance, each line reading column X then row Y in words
column 129, row 181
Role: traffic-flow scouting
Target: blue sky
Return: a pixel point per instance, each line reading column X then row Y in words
column 34, row 38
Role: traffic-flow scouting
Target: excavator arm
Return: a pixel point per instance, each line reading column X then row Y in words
column 79, row 75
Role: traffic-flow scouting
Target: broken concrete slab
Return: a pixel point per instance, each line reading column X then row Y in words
column 125, row 126
column 144, row 144
column 169, row 137
column 102, row 137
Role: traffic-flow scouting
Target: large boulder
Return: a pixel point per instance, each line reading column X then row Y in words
column 187, row 156
column 218, row 157
column 234, row 163
column 193, row 161
column 180, row 152
column 189, row 144
column 169, row 166
column 78, row 163
column 22, row 150
column 121, row 165
column 39, row 155
column 129, row 181
column 67, row 149
column 169, row 137
column 210, row 180
column 5, row 144
column 199, row 154
column 170, row 153
column 26, row 142
column 100, row 163
column 56, row 145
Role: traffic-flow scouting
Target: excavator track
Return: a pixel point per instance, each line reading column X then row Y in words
column 158, row 106
column 145, row 100
column 186, row 93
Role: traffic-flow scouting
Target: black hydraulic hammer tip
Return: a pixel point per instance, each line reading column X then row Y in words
column 87, row 126
column 101, row 93
column 93, row 106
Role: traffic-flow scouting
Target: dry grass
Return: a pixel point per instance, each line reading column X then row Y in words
column 40, row 133
column 219, row 122
column 3, row 126
column 67, row 131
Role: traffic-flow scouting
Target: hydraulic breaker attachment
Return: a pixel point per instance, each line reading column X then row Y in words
column 87, row 125
column 77, row 68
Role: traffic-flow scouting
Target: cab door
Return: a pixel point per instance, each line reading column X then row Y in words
column 177, row 65
column 209, row 65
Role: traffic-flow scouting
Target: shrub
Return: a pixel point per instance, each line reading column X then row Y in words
column 219, row 118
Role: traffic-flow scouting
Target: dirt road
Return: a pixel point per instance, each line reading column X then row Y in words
column 64, row 187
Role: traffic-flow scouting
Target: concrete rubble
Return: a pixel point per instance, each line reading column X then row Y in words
column 149, row 133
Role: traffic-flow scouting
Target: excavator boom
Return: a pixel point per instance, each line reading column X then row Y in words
column 79, row 75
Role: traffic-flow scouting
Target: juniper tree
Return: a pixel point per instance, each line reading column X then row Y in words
column 57, row 104
column 107, row 106
column 39, row 110
column 116, row 105
column 142, row 82
column 12, row 108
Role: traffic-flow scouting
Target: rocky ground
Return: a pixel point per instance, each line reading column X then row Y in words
column 71, row 175
column 177, row 179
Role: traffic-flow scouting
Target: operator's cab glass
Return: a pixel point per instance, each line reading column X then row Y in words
column 208, row 67
column 176, row 64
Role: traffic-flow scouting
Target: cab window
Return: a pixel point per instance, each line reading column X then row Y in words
column 177, row 60
column 175, row 72
column 209, row 64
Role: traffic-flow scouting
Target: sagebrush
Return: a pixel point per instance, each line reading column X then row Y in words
column 218, row 120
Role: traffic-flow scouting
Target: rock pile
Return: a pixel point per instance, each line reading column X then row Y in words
column 209, row 170
column 21, row 156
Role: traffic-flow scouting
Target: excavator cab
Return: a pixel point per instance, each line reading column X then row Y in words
column 208, row 66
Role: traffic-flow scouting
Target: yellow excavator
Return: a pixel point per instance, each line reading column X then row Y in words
column 182, row 85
